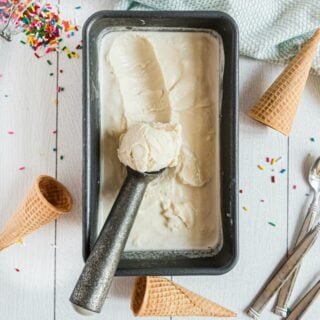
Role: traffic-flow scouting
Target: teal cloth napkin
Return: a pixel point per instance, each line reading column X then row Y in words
column 271, row 30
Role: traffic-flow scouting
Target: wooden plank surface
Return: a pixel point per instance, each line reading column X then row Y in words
column 51, row 260
column 26, row 109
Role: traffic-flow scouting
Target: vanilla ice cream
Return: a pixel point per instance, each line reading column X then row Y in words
column 148, row 147
column 140, row 79
column 160, row 105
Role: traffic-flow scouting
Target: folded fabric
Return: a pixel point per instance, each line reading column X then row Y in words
column 269, row 30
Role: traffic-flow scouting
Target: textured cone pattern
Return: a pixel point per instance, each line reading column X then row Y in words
column 156, row 296
column 278, row 105
column 47, row 200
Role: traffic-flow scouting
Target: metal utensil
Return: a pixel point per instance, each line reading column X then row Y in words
column 284, row 272
column 305, row 302
column 286, row 291
column 94, row 282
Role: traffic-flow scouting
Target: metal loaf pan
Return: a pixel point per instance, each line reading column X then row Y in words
column 151, row 262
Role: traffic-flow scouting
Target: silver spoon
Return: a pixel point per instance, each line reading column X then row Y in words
column 286, row 291
column 95, row 280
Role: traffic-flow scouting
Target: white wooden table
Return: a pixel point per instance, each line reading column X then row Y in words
column 51, row 260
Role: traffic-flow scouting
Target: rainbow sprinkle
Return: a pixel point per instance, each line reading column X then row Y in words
column 261, row 167
column 272, row 224
column 20, row 241
column 43, row 29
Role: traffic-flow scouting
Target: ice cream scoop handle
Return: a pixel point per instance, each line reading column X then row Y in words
column 94, row 282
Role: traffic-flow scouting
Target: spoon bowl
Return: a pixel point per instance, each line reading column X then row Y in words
column 314, row 176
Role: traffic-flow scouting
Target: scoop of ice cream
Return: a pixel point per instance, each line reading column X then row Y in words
column 148, row 147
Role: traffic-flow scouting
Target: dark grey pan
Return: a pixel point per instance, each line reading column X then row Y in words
column 187, row 262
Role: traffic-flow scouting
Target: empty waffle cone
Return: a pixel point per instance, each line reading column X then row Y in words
column 47, row 200
column 278, row 105
column 157, row 296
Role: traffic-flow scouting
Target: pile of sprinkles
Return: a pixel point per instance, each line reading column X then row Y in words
column 43, row 28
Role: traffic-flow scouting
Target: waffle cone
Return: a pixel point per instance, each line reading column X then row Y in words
column 47, row 200
column 156, row 296
column 278, row 106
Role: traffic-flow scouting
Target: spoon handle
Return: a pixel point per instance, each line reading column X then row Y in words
column 284, row 271
column 94, row 282
column 305, row 302
column 286, row 291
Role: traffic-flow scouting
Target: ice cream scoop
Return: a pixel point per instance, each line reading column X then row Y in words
column 95, row 280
